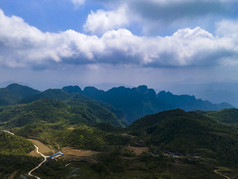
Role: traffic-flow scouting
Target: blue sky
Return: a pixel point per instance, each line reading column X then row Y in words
column 160, row 43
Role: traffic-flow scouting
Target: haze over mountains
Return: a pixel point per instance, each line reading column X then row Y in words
column 214, row 92
column 127, row 103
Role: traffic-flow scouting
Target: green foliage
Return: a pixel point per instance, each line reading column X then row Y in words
column 91, row 111
column 12, row 163
column 53, row 169
column 228, row 116
column 125, row 152
column 83, row 137
column 10, row 144
column 49, row 111
column 72, row 89
column 55, row 94
column 113, row 139
column 106, row 127
column 67, row 118
column 112, row 160
column 182, row 132
column 13, row 93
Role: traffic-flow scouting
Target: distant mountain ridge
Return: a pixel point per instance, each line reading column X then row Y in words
column 133, row 102
column 189, row 103
column 140, row 101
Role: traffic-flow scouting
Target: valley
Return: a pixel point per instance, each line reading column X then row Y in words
column 97, row 141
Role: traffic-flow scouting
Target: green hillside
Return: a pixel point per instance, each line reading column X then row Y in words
column 228, row 116
column 168, row 144
column 55, row 113
column 11, row 144
column 72, row 89
column 14, row 156
column 50, row 93
column 128, row 104
column 13, row 93
column 63, row 124
column 185, row 133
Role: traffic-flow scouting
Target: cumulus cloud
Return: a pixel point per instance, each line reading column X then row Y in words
column 160, row 16
column 101, row 21
column 22, row 45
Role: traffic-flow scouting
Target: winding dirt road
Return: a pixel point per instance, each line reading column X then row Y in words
column 37, row 150
column 8, row 132
column 217, row 172
column 45, row 158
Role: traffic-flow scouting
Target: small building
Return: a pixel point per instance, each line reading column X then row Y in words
column 56, row 155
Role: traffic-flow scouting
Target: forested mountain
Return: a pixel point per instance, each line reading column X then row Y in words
column 125, row 103
column 57, row 94
column 189, row 103
column 169, row 144
column 13, row 93
column 140, row 101
column 186, row 133
column 135, row 102
column 174, row 144
column 57, row 113
column 227, row 116
column 11, row 144
column 72, row 89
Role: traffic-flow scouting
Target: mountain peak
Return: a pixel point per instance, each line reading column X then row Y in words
column 72, row 89
column 142, row 88
column 13, row 93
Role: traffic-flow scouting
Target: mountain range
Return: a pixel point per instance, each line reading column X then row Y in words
column 128, row 104
column 198, row 141
column 140, row 101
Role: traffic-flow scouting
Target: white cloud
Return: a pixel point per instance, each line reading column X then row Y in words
column 78, row 3
column 22, row 45
column 101, row 21
column 228, row 28
column 156, row 17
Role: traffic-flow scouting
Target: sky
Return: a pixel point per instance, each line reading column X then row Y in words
column 105, row 43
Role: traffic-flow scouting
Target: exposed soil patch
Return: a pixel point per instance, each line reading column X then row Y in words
column 139, row 150
column 71, row 154
column 127, row 135
column 44, row 149
column 71, row 128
